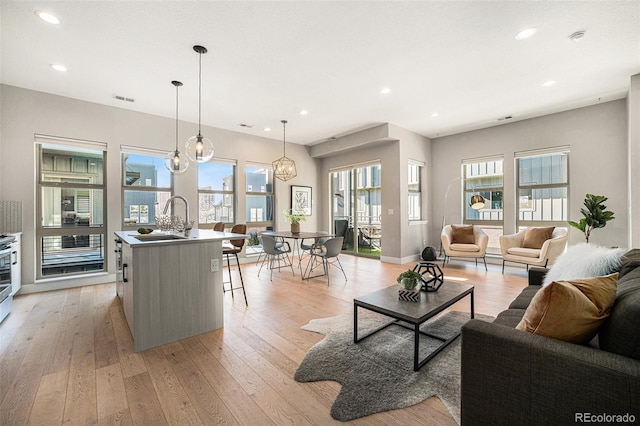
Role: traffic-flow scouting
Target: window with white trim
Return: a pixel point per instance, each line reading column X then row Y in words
column 486, row 178
column 71, row 199
column 415, row 190
column 216, row 192
column 147, row 185
column 542, row 187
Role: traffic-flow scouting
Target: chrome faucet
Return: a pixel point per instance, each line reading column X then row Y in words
column 187, row 223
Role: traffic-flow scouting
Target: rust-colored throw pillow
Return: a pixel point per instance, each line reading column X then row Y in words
column 572, row 311
column 534, row 238
column 462, row 234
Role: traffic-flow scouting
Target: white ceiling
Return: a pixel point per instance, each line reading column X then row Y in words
column 269, row 60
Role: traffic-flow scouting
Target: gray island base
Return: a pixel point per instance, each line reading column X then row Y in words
column 169, row 286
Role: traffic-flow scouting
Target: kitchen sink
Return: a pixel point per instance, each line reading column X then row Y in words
column 159, row 237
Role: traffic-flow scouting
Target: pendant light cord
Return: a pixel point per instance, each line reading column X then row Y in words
column 284, row 137
column 199, row 92
column 177, row 117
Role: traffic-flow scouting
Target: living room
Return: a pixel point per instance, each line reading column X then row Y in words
column 601, row 132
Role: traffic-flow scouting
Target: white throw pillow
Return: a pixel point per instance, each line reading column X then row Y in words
column 584, row 261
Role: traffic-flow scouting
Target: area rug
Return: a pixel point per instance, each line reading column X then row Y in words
column 377, row 374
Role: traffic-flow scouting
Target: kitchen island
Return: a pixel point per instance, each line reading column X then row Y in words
column 170, row 285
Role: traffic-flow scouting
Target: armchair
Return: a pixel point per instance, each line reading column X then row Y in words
column 473, row 249
column 512, row 249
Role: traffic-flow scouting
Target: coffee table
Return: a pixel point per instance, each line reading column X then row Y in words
column 412, row 315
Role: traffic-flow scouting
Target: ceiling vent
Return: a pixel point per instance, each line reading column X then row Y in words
column 507, row 117
column 577, row 36
column 122, row 98
column 248, row 126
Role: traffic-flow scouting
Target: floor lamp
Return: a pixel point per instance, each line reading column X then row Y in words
column 476, row 202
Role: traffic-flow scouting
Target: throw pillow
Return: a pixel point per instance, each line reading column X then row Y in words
column 534, row 238
column 583, row 261
column 572, row 311
column 462, row 234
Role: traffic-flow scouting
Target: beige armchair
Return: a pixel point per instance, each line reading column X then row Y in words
column 472, row 248
column 512, row 249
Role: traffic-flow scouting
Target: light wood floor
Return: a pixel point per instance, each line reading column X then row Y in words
column 66, row 356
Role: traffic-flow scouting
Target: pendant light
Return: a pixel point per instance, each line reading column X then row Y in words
column 284, row 168
column 199, row 148
column 173, row 161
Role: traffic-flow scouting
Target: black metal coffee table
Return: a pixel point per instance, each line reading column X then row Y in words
column 411, row 314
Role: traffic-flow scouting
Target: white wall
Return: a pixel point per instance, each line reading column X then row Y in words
column 633, row 118
column 393, row 146
column 26, row 112
column 597, row 136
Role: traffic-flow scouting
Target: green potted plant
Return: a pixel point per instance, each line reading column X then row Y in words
column 294, row 218
column 594, row 214
column 409, row 289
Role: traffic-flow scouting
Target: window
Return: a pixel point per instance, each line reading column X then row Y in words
column 485, row 178
column 543, row 187
column 71, row 194
column 260, row 197
column 415, row 191
column 146, row 187
column 216, row 192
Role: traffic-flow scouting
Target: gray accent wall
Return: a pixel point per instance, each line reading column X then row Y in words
column 597, row 137
column 26, row 113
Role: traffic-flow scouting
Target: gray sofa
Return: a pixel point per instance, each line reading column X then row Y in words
column 510, row 377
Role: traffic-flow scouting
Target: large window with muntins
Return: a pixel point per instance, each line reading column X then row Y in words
column 260, row 197
column 216, row 192
column 415, row 190
column 71, row 194
column 146, row 187
column 486, row 178
column 542, row 187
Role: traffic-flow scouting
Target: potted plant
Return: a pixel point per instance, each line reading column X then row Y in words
column 294, row 218
column 409, row 289
column 595, row 215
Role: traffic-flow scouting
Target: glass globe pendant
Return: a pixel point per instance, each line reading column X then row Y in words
column 199, row 148
column 175, row 163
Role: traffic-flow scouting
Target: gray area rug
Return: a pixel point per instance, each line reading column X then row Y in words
column 377, row 374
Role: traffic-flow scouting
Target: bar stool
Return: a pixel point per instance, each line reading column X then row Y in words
column 234, row 248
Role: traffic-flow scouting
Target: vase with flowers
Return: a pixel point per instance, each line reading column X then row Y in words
column 294, row 218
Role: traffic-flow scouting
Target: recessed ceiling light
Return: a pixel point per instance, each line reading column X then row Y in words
column 304, row 112
column 47, row 17
column 549, row 83
column 267, row 129
column 59, row 67
column 434, row 115
column 526, row 33
column 385, row 91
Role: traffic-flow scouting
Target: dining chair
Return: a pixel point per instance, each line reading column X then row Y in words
column 327, row 256
column 233, row 248
column 275, row 254
column 306, row 248
column 218, row 226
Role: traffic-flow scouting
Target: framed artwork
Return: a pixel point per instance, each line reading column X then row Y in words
column 301, row 199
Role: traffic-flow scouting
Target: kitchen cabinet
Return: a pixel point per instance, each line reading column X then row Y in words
column 171, row 288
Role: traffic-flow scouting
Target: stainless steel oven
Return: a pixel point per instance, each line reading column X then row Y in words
column 5, row 275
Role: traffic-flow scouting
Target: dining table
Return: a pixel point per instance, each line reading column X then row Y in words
column 297, row 237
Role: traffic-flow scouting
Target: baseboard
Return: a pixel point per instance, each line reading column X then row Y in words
column 400, row 260
column 67, row 282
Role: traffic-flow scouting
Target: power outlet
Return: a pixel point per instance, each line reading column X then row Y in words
column 215, row 265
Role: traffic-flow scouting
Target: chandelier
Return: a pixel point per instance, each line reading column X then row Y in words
column 284, row 168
